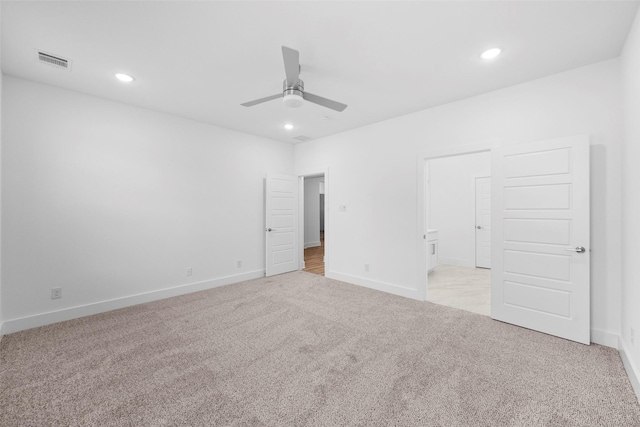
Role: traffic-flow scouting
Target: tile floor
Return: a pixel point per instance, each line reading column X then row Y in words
column 461, row 287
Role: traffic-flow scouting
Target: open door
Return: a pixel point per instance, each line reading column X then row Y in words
column 483, row 222
column 281, row 221
column 540, row 262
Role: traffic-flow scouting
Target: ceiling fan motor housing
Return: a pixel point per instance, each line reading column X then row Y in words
column 292, row 94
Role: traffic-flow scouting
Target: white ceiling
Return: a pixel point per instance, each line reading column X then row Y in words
column 200, row 60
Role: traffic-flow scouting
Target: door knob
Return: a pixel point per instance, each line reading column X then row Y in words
column 579, row 249
column 478, row 227
column 270, row 229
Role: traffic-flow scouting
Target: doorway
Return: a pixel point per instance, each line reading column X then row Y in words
column 540, row 263
column 313, row 222
column 458, row 219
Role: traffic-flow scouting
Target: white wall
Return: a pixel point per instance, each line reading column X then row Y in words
column 110, row 201
column 631, row 203
column 1, row 318
column 452, row 207
column 312, row 211
column 373, row 173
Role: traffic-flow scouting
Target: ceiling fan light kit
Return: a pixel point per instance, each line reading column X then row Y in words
column 293, row 94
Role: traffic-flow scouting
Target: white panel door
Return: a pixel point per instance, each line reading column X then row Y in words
column 540, row 275
column 483, row 222
column 281, row 202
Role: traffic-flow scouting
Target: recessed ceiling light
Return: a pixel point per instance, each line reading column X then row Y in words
column 124, row 78
column 288, row 126
column 491, row 53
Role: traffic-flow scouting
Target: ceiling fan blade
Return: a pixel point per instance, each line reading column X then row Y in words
column 291, row 65
column 261, row 100
column 334, row 105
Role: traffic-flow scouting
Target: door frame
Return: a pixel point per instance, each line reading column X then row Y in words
column 301, row 176
column 422, row 167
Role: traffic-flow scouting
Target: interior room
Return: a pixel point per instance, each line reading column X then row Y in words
column 155, row 163
column 459, row 231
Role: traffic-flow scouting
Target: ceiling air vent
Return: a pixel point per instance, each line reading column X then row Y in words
column 302, row 138
column 54, row 61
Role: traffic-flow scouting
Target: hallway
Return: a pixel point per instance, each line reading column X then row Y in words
column 314, row 258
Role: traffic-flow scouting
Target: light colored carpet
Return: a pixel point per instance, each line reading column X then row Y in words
column 299, row 349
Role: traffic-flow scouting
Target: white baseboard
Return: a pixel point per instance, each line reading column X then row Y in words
column 373, row 284
column 632, row 369
column 311, row 244
column 28, row 322
column 606, row 338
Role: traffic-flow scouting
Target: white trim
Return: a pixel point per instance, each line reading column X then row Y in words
column 606, row 338
column 301, row 262
column 312, row 244
column 631, row 368
column 28, row 322
column 422, row 203
column 457, row 150
column 378, row 286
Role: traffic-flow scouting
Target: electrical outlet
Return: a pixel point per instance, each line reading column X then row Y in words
column 56, row 293
column 633, row 336
column 189, row 271
column 366, row 267
column 239, row 264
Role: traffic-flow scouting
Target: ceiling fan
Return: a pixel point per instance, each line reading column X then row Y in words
column 293, row 93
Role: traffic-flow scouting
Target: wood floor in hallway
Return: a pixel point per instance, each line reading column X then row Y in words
column 314, row 258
